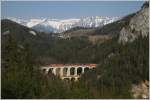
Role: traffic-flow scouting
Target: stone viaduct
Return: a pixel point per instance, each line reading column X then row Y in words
column 67, row 71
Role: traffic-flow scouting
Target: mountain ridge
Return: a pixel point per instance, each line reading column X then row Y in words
column 58, row 26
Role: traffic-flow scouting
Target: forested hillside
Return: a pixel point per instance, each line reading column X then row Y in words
column 119, row 65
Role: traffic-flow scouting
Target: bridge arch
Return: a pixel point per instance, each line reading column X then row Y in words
column 86, row 69
column 44, row 70
column 72, row 71
column 79, row 71
column 50, row 71
column 66, row 79
column 72, row 79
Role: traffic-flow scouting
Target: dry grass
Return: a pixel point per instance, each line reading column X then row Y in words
column 98, row 38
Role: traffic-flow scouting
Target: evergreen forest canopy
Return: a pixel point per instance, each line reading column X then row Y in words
column 119, row 67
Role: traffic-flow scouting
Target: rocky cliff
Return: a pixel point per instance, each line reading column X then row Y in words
column 138, row 25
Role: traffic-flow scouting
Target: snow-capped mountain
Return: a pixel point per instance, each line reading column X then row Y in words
column 58, row 26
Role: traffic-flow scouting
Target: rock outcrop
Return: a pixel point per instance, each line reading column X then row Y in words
column 138, row 25
column 141, row 90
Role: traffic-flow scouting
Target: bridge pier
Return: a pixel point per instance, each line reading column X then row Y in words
column 76, row 79
column 46, row 70
column 54, row 71
column 68, row 71
column 82, row 70
column 75, row 71
column 61, row 71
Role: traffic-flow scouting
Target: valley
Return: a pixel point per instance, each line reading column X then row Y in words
column 89, row 58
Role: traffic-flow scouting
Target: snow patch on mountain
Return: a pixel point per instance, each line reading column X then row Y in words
column 32, row 32
column 34, row 22
column 58, row 26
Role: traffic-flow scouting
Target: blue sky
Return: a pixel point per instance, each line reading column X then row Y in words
column 67, row 9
